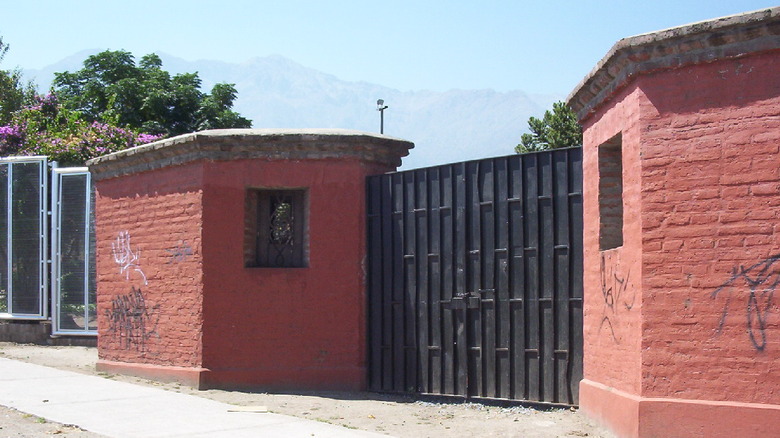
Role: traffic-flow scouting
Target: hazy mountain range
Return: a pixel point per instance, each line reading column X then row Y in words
column 275, row 92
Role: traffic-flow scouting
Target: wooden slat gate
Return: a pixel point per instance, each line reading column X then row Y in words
column 475, row 278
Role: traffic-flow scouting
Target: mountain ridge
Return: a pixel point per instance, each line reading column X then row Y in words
column 277, row 92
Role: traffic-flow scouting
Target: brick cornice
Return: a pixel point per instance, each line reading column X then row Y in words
column 706, row 41
column 234, row 144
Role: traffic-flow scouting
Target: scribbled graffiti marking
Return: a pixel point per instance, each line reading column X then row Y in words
column 759, row 283
column 180, row 252
column 125, row 257
column 132, row 320
column 614, row 290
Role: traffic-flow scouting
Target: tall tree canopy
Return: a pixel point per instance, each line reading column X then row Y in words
column 111, row 88
column 557, row 129
column 31, row 124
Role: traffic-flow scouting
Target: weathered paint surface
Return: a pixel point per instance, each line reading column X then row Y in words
column 711, row 231
column 681, row 322
column 612, row 278
column 287, row 327
column 149, row 301
column 175, row 299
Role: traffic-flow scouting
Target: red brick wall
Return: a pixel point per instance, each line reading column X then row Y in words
column 681, row 322
column 698, row 107
column 711, row 218
column 612, row 278
column 149, row 303
column 286, row 327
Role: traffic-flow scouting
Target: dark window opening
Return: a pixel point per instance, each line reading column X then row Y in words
column 611, row 193
column 275, row 229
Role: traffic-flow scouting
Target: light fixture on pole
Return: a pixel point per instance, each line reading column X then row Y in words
column 381, row 107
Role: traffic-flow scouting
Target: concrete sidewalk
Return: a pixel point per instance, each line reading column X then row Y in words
column 119, row 409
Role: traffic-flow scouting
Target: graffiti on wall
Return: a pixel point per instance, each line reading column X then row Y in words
column 616, row 296
column 180, row 252
column 132, row 320
column 125, row 257
column 755, row 286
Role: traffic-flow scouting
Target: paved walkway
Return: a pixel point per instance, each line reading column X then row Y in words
column 118, row 409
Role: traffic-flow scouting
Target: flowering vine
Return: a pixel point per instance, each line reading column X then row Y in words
column 46, row 128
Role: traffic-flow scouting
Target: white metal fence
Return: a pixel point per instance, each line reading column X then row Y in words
column 47, row 245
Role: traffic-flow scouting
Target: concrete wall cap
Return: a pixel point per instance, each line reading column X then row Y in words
column 705, row 41
column 234, row 144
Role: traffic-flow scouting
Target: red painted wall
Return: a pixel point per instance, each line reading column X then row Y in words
column 612, row 278
column 150, row 300
column 687, row 347
column 286, row 327
column 711, row 219
column 180, row 303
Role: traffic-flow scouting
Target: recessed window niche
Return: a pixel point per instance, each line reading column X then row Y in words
column 611, row 193
column 275, row 229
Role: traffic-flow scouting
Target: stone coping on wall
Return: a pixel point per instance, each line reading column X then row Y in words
column 707, row 41
column 235, row 144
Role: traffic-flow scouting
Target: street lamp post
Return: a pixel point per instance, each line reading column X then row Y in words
column 381, row 107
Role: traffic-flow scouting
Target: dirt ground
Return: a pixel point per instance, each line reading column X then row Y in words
column 391, row 415
column 18, row 424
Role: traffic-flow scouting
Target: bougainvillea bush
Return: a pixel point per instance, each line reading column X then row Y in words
column 46, row 128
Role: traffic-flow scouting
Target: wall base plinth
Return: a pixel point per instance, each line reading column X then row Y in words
column 629, row 415
column 320, row 379
column 302, row 379
column 190, row 376
column 614, row 409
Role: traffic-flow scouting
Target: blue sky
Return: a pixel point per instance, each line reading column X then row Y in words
column 534, row 46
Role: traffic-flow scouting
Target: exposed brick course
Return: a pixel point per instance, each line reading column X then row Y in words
column 161, row 214
column 726, row 224
column 175, row 299
column 701, row 199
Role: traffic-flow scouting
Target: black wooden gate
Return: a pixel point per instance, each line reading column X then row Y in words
column 475, row 278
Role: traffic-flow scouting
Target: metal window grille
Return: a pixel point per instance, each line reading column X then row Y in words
column 276, row 221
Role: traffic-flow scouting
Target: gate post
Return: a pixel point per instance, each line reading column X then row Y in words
column 682, row 245
column 235, row 258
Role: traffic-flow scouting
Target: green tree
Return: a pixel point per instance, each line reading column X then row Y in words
column 557, row 129
column 112, row 89
column 14, row 92
column 31, row 124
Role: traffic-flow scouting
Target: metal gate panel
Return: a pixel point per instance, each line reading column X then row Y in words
column 73, row 267
column 23, row 237
column 475, row 278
